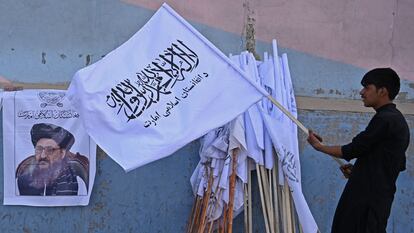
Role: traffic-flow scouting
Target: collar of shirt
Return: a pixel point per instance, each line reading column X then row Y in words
column 385, row 106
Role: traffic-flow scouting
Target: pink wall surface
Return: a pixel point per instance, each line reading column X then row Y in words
column 364, row 33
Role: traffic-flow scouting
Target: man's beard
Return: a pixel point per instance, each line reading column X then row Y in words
column 46, row 176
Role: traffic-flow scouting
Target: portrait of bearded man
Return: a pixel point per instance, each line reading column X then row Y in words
column 52, row 170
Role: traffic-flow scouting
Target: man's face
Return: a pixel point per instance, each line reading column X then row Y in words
column 370, row 95
column 48, row 153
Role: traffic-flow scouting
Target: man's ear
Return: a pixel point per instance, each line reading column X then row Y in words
column 383, row 92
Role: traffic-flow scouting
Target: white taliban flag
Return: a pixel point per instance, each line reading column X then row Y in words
column 164, row 87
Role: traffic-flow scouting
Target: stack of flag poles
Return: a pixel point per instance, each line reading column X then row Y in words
column 263, row 139
column 276, row 202
column 215, row 178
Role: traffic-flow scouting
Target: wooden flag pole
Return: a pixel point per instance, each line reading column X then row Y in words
column 270, row 199
column 192, row 216
column 232, row 190
column 264, row 209
column 266, row 192
column 249, row 200
column 206, row 199
column 295, row 221
column 246, row 208
column 275, row 196
column 195, row 216
column 288, row 210
column 286, row 191
column 298, row 123
column 223, row 225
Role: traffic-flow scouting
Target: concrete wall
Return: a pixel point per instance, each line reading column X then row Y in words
column 330, row 46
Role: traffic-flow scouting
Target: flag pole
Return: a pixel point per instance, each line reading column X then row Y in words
column 232, row 184
column 297, row 122
column 249, row 185
column 261, row 191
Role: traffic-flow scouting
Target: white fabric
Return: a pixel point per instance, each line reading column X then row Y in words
column 289, row 166
column 280, row 134
column 215, row 157
column 283, row 133
column 23, row 109
column 293, row 110
column 216, row 150
column 252, row 118
column 237, row 140
column 267, row 76
column 164, row 87
column 213, row 153
column 279, row 96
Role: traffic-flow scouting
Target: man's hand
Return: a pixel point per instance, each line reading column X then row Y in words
column 346, row 170
column 315, row 140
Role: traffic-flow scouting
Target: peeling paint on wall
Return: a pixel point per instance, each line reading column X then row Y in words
column 319, row 91
column 88, row 60
column 43, row 58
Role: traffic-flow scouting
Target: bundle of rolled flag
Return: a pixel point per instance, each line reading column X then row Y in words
column 263, row 139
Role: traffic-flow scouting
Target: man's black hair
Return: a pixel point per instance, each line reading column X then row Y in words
column 383, row 77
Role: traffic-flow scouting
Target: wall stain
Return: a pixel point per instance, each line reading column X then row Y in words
column 26, row 230
column 88, row 59
column 43, row 58
column 6, row 216
column 98, row 207
column 319, row 91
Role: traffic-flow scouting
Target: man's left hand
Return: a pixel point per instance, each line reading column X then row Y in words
column 346, row 169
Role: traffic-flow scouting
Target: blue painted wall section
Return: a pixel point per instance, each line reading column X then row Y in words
column 45, row 41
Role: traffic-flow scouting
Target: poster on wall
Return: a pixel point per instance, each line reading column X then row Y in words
column 49, row 159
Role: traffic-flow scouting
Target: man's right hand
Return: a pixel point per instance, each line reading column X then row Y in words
column 314, row 140
column 346, row 170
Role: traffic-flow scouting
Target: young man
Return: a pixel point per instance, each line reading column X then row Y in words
column 379, row 150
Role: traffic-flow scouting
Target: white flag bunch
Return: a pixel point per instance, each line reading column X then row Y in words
column 265, row 139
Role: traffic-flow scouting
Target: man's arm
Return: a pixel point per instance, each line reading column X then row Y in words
column 335, row 151
column 316, row 142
